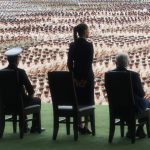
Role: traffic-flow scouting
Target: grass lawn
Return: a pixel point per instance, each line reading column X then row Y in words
column 44, row 141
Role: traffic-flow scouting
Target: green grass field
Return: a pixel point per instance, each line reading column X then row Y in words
column 44, row 141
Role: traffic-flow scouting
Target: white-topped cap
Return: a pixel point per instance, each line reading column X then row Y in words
column 13, row 51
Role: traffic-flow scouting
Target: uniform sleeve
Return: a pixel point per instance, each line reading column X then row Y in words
column 70, row 60
column 27, row 84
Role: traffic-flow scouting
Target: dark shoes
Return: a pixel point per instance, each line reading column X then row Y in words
column 84, row 130
column 87, row 131
column 81, row 130
column 33, row 130
column 36, row 130
column 139, row 133
column 26, row 130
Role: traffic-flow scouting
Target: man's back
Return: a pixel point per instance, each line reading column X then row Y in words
column 122, row 61
column 137, row 89
column 24, row 81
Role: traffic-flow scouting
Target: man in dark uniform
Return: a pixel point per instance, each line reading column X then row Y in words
column 26, row 87
column 139, row 95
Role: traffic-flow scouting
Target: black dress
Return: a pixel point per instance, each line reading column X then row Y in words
column 80, row 58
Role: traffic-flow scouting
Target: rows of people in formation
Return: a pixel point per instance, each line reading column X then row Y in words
column 45, row 34
column 38, row 62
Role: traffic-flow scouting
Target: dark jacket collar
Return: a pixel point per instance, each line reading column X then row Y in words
column 120, row 69
column 81, row 39
column 12, row 66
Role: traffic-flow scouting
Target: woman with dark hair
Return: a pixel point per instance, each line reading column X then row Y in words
column 80, row 58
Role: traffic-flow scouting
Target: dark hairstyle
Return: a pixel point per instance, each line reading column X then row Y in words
column 12, row 59
column 79, row 30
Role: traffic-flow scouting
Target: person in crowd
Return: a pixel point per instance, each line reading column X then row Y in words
column 80, row 58
column 13, row 56
column 141, row 102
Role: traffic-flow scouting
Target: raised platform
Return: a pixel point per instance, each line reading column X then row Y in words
column 44, row 141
